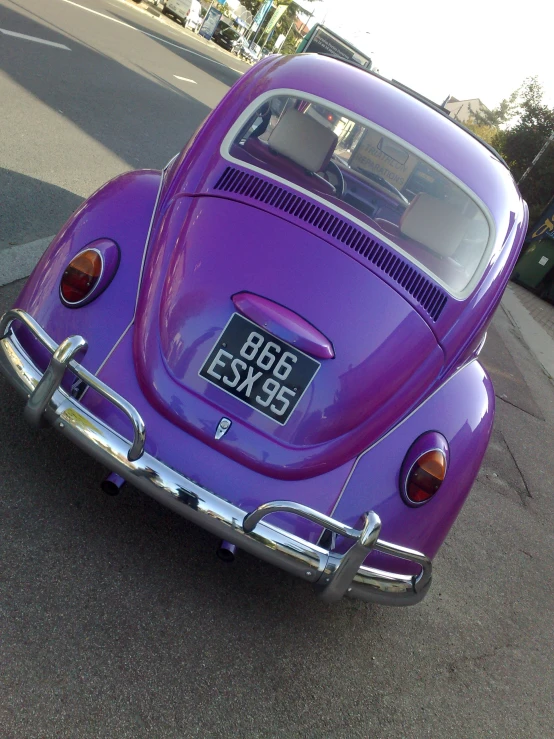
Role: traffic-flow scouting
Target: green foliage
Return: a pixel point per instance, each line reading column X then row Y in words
column 518, row 128
column 284, row 26
column 251, row 5
column 485, row 131
column 504, row 113
column 522, row 142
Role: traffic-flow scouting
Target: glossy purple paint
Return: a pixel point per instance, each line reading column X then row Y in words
column 284, row 323
column 463, row 410
column 204, row 463
column 386, row 355
column 121, row 210
column 202, row 165
column 394, row 375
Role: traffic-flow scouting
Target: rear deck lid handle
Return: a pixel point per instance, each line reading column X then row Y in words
column 284, row 323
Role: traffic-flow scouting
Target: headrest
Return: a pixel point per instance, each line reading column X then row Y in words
column 434, row 223
column 303, row 140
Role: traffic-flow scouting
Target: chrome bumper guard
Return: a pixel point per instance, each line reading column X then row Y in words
column 334, row 574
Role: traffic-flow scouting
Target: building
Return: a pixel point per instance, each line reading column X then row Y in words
column 301, row 27
column 463, row 110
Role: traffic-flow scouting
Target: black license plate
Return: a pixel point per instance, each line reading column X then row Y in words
column 258, row 368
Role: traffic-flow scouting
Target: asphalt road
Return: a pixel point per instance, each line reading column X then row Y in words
column 116, row 619
column 111, row 101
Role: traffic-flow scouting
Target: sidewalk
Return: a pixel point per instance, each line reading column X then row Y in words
column 535, row 320
column 152, row 11
column 540, row 310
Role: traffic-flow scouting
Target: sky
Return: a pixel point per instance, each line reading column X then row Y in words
column 477, row 48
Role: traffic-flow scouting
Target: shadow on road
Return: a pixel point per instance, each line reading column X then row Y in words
column 199, row 59
column 20, row 197
column 141, row 120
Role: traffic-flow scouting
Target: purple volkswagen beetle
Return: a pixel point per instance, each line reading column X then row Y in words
column 277, row 336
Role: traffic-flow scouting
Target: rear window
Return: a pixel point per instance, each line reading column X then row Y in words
column 375, row 177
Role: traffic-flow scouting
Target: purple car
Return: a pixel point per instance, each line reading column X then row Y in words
column 277, row 336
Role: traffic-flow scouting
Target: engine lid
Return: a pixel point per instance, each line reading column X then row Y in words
column 385, row 355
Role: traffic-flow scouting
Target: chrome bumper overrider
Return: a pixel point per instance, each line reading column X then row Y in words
column 334, row 574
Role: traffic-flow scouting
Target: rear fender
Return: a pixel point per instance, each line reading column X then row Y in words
column 462, row 410
column 121, row 210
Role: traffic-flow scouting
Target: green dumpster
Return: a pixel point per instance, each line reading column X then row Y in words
column 534, row 265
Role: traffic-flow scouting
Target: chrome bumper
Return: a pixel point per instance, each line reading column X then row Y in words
column 334, row 574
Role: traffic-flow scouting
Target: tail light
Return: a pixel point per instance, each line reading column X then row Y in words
column 81, row 276
column 424, row 468
column 89, row 273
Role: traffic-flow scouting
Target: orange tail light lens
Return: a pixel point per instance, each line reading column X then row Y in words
column 426, row 476
column 424, row 468
column 81, row 276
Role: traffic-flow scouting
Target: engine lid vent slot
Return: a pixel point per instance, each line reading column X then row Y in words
column 430, row 297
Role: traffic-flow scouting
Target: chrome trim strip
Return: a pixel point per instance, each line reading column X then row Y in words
column 141, row 273
column 334, row 573
column 112, row 350
column 147, row 242
column 481, row 346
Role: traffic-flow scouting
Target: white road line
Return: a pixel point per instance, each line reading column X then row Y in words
column 145, row 33
column 185, row 79
column 33, row 38
column 19, row 261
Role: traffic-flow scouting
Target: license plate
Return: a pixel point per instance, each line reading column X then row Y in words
column 256, row 367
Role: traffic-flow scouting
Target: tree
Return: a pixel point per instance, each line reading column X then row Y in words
column 517, row 129
column 522, row 142
column 252, row 5
column 487, row 123
column 283, row 26
column 504, row 113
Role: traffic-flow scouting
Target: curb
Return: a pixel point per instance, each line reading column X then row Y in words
column 145, row 8
column 533, row 334
column 18, row 262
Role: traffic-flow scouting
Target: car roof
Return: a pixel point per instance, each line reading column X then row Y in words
column 393, row 108
column 418, row 96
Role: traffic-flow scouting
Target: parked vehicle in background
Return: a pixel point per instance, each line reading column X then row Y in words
column 321, row 40
column 226, row 37
column 250, row 52
column 277, row 336
column 194, row 17
column 179, row 9
column 240, row 45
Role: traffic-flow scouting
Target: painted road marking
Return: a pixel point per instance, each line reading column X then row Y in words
column 19, row 261
column 33, row 38
column 145, row 33
column 185, row 79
